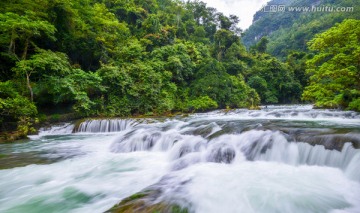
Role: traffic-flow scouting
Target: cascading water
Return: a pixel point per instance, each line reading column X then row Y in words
column 278, row 159
column 63, row 129
column 253, row 145
column 108, row 125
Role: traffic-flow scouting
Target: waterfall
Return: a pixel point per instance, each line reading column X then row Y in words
column 254, row 145
column 106, row 125
column 61, row 129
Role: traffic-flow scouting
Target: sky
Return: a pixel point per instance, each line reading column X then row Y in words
column 244, row 9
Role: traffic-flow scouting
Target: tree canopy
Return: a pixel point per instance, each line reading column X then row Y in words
column 335, row 69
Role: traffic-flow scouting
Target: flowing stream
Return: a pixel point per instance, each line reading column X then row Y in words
column 278, row 159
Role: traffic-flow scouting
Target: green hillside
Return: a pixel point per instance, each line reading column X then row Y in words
column 288, row 31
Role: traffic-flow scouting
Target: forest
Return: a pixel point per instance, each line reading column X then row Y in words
column 107, row 58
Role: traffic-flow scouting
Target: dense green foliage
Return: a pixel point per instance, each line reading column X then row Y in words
column 324, row 61
column 335, row 69
column 120, row 58
column 291, row 30
column 14, row 107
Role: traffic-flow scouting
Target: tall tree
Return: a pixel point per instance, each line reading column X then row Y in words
column 20, row 31
column 335, row 69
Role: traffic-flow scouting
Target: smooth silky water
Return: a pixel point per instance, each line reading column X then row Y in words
column 278, row 159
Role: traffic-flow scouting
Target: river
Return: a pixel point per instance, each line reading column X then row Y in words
column 278, row 159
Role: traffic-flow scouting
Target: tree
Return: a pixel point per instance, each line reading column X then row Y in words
column 14, row 107
column 260, row 85
column 213, row 81
column 42, row 64
column 335, row 69
column 202, row 103
column 223, row 40
column 261, row 46
column 78, row 87
column 20, row 30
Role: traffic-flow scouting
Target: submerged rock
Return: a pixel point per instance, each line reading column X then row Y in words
column 332, row 141
column 184, row 150
column 188, row 160
column 260, row 145
column 222, row 154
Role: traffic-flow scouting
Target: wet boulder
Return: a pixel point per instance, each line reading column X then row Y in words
column 150, row 140
column 188, row 160
column 139, row 202
column 184, row 150
column 221, row 154
column 256, row 147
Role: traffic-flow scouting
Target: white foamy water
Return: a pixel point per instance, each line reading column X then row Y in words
column 290, row 112
column 89, row 183
column 279, row 159
column 266, row 187
column 62, row 129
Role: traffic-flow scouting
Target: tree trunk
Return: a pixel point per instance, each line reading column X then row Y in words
column 29, row 86
column 26, row 46
column 12, row 43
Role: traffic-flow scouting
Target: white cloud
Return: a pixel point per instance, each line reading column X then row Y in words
column 244, row 9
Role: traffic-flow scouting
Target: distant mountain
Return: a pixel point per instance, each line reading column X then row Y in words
column 291, row 29
column 262, row 13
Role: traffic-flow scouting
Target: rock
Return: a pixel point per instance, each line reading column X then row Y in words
column 145, row 202
column 222, row 154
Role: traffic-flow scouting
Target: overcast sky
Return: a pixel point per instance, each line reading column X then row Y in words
column 244, row 9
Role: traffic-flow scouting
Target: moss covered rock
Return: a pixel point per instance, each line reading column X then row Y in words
column 145, row 202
